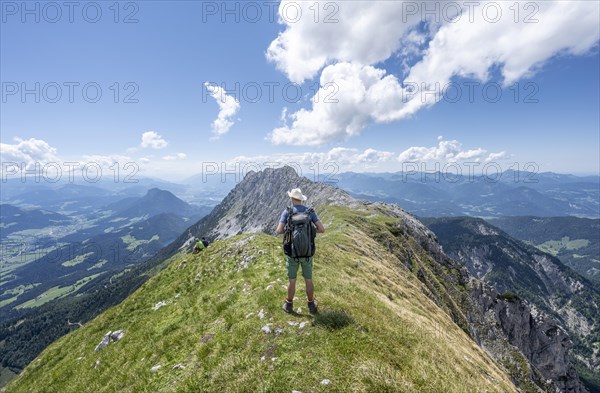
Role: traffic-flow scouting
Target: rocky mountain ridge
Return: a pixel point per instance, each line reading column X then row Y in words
column 256, row 203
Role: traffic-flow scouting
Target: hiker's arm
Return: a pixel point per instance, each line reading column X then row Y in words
column 320, row 227
column 280, row 228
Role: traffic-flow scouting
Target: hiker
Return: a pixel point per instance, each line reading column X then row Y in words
column 302, row 224
column 200, row 245
column 205, row 242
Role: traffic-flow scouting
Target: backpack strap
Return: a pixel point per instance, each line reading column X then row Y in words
column 288, row 224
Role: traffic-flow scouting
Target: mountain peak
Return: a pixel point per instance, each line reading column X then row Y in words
column 156, row 191
column 255, row 203
column 156, row 201
column 283, row 175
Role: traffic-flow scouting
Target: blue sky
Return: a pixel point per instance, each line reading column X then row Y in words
column 174, row 47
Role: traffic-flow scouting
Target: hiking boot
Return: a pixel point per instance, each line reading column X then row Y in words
column 288, row 307
column 312, row 307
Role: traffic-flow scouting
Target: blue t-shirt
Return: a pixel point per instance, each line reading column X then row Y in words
column 298, row 208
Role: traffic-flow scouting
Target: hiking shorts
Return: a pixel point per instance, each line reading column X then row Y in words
column 292, row 265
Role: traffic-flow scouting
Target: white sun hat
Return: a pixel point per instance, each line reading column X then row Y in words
column 296, row 193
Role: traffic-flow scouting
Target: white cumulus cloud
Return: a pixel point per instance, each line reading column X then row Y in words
column 365, row 32
column 350, row 55
column 448, row 151
column 228, row 107
column 28, row 152
column 351, row 96
column 151, row 139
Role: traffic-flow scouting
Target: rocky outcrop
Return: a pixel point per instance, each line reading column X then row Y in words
column 500, row 324
column 108, row 338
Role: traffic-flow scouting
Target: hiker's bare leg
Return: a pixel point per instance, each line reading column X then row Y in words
column 310, row 290
column 291, row 289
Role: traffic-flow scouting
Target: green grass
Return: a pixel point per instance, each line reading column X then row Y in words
column 8, row 301
column 554, row 247
column 377, row 331
column 133, row 243
column 333, row 320
column 56, row 292
column 98, row 265
column 20, row 289
column 77, row 260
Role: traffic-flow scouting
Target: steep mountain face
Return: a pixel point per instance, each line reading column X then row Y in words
column 552, row 289
column 573, row 240
column 512, row 338
column 540, row 339
column 379, row 264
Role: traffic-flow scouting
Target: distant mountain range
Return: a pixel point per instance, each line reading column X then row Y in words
column 512, row 194
column 437, row 194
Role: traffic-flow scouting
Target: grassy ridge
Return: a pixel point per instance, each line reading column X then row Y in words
column 396, row 339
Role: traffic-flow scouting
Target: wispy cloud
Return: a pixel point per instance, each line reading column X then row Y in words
column 228, row 107
column 178, row 156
